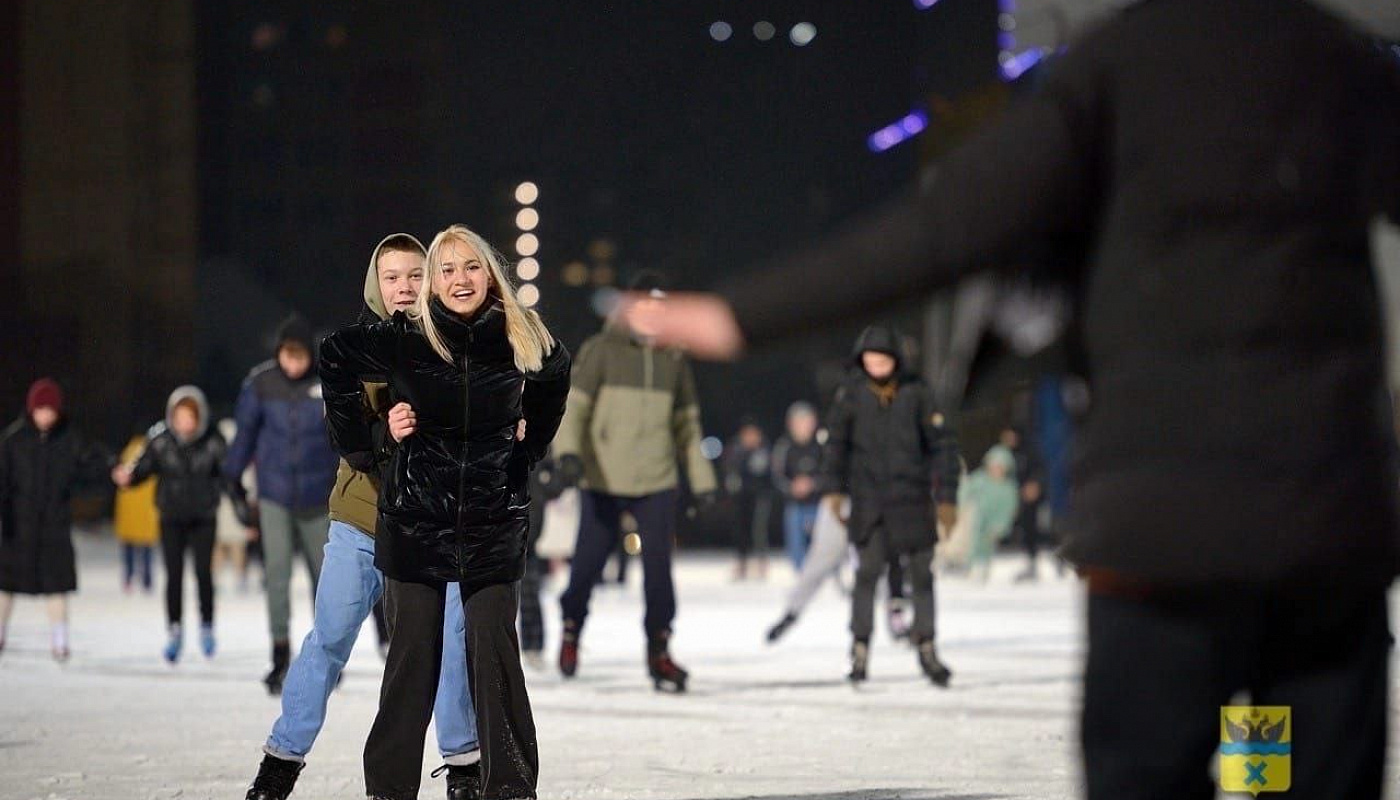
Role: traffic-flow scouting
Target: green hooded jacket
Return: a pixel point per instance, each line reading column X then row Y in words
column 355, row 498
column 632, row 415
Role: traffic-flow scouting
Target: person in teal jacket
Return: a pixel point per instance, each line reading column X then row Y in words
column 992, row 495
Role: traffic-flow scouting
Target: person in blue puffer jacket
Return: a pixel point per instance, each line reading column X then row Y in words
column 281, row 428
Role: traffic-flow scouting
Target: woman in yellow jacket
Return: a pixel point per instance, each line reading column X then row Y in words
column 136, row 523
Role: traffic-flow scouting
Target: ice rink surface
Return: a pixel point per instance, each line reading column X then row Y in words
column 759, row 721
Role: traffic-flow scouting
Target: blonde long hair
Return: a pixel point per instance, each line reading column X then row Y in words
column 529, row 338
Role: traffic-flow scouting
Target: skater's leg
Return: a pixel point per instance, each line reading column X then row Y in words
column 925, row 602
column 1168, row 662
column 128, row 564
column 824, row 558
column 202, row 549
column 656, row 519
column 509, row 750
column 173, row 537
column 313, row 529
column 743, row 533
column 381, row 623
column 1327, row 656
column 531, row 614
column 58, row 624
column 275, row 522
column 349, row 587
column 874, row 560
column 394, row 750
column 597, row 533
column 453, row 713
column 7, row 607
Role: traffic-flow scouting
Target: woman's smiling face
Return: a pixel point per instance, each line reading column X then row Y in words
column 460, row 278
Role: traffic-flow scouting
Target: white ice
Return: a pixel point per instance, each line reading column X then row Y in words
column 759, row 721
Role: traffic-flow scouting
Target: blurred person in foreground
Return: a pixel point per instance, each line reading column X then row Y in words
column 1235, row 508
column 44, row 459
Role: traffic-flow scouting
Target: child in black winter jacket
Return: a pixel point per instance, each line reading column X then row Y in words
column 187, row 453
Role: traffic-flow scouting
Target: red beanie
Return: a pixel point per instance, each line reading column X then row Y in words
column 44, row 392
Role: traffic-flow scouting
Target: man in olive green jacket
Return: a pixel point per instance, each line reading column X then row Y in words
column 632, row 416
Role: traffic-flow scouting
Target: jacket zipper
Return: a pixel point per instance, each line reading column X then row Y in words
column 466, row 438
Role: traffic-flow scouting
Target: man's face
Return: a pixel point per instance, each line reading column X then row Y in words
column 400, row 279
column 879, row 366
column 294, row 360
column 802, row 427
column 45, row 417
column 751, row 437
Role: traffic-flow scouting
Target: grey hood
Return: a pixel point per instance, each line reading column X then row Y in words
column 192, row 393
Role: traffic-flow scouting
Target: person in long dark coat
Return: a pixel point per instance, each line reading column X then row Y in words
column 1219, row 165
column 454, row 506
column 43, row 459
column 889, row 449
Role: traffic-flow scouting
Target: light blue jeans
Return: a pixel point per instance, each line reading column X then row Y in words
column 349, row 587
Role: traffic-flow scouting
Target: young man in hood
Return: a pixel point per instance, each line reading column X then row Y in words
column 350, row 587
column 281, row 426
column 889, row 450
column 187, row 453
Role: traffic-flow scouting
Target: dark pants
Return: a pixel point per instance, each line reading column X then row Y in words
column 197, row 536
column 599, row 531
column 753, row 519
column 131, row 554
column 531, row 614
column 875, row 557
column 381, row 623
column 1160, row 667
column 394, row 749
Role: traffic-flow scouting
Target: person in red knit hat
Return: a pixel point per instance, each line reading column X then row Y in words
column 42, row 460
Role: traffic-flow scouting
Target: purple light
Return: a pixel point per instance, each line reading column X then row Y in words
column 924, row 5
column 907, row 127
column 1016, row 66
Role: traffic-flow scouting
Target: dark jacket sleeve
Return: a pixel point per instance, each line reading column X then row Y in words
column 146, row 463
column 347, row 358
column 782, row 481
column 543, row 402
column 95, row 464
column 836, row 453
column 248, row 414
column 1025, row 178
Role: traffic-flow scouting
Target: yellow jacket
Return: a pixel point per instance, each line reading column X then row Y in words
column 136, row 519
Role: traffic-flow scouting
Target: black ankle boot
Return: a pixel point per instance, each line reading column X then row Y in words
column 860, row 661
column 281, row 660
column 463, row 782
column 666, row 674
column 276, row 777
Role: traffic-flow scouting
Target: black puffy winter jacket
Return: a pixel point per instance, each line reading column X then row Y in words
column 191, row 470
column 454, row 505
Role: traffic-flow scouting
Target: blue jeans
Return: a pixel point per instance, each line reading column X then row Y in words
column 798, row 519
column 348, row 589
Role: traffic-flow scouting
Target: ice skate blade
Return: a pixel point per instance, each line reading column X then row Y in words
column 668, row 687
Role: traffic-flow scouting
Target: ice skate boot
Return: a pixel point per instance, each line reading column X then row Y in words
column 666, row 674
column 936, row 670
column 568, row 650
column 276, row 777
column 860, row 662
column 776, row 632
column 206, row 640
column 281, row 659
column 463, row 782
column 174, row 642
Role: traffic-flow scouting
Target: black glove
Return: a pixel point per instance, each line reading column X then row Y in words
column 241, row 508
column 570, row 471
column 703, row 503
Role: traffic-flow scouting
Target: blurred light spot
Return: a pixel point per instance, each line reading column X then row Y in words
column 528, row 244
column 575, row 273
column 822, row 436
column 721, row 31
column 711, row 447
column 527, row 219
column 266, row 36
column 604, row 301
column 764, row 30
column 337, row 37
column 527, row 193
column 632, row 543
column 529, row 295
column 924, row 5
column 907, row 127
column 604, row 275
column 1006, row 22
column 1014, row 66
column 803, row 33
column 602, row 250
column 528, row 269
